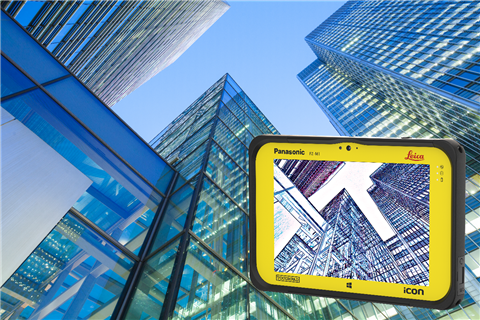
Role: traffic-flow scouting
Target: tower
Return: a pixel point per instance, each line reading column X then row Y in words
column 406, row 68
column 116, row 46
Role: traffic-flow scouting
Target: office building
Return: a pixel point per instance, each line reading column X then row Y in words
column 407, row 68
column 115, row 46
column 106, row 213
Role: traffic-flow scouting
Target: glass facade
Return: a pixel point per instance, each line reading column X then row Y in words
column 84, row 265
column 406, row 68
column 209, row 277
column 116, row 46
column 154, row 236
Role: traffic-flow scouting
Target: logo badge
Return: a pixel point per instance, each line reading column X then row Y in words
column 413, row 291
column 414, row 157
column 292, row 152
column 285, row 278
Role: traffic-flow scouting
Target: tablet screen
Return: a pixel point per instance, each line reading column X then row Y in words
column 352, row 220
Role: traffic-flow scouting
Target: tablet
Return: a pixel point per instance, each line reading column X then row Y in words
column 379, row 220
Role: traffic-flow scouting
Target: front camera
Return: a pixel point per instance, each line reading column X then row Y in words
column 349, row 148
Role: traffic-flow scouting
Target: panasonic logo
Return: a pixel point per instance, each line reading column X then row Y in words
column 278, row 151
column 413, row 291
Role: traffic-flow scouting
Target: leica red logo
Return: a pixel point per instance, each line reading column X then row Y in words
column 414, row 157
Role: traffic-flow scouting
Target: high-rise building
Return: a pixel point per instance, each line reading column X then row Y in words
column 101, row 220
column 115, row 46
column 406, row 68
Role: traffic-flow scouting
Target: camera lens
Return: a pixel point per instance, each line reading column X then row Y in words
column 349, row 148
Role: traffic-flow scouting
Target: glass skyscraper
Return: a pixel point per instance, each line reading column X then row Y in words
column 406, row 68
column 115, row 46
column 198, row 264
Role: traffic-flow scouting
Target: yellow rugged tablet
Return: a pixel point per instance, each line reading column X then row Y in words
column 359, row 218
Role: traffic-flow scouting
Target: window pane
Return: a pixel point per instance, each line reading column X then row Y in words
column 150, row 293
column 82, row 275
column 116, row 200
column 229, row 142
column 12, row 79
column 209, row 290
column 234, row 124
column 108, row 127
column 228, row 176
column 191, row 165
column 242, row 116
column 262, row 308
column 190, row 144
column 173, row 219
column 63, row 133
column 21, row 48
column 222, row 225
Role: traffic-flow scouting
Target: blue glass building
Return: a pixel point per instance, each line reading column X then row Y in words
column 406, row 68
column 114, row 47
column 80, row 268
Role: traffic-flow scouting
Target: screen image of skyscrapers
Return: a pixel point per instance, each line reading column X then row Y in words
column 338, row 240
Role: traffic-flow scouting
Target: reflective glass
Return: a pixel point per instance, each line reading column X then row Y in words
column 123, row 213
column 262, row 309
column 233, row 94
column 208, row 289
column 108, row 127
column 232, row 145
column 52, row 124
column 21, row 48
column 182, row 128
column 234, row 84
column 12, row 80
column 180, row 182
column 172, row 142
column 203, row 116
column 228, row 175
column 150, row 292
column 243, row 118
column 234, row 125
column 191, row 165
column 190, row 144
column 173, row 219
column 302, row 307
column 222, row 225
column 73, row 273
column 260, row 115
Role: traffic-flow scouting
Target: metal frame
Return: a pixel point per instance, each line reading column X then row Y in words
column 179, row 264
column 127, row 295
column 88, row 89
column 39, row 86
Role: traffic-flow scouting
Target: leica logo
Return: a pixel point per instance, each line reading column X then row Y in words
column 414, row 157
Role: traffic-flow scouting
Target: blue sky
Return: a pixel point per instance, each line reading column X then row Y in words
column 261, row 45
